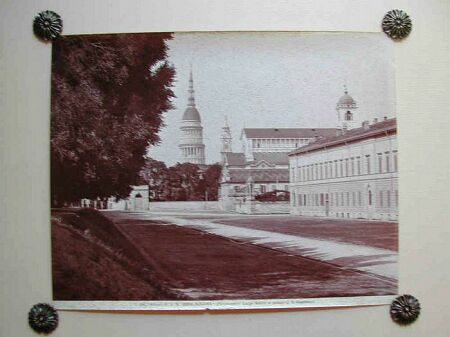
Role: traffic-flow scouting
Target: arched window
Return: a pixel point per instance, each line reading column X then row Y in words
column 348, row 116
column 370, row 198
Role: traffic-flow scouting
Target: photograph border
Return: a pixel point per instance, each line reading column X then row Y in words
column 201, row 305
column 244, row 305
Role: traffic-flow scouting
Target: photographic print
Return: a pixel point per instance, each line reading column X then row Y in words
column 223, row 170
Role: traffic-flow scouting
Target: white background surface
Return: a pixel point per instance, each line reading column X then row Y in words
column 423, row 71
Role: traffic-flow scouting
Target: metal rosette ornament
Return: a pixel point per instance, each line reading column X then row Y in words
column 397, row 24
column 405, row 309
column 47, row 26
column 43, row 318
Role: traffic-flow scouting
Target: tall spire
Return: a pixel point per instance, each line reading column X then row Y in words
column 226, row 137
column 191, row 100
column 191, row 141
column 226, row 132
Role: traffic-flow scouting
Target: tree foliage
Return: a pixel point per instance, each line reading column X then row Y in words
column 211, row 177
column 109, row 93
column 181, row 182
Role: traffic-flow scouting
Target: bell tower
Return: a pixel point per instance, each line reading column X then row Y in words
column 226, row 137
column 346, row 109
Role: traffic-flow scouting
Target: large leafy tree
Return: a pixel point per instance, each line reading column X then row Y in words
column 109, row 93
column 181, row 182
column 156, row 175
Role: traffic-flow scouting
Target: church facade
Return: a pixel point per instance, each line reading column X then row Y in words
column 263, row 164
column 191, row 143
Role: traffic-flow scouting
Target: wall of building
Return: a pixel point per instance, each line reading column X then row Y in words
column 246, row 206
column 271, row 144
column 155, row 206
column 357, row 180
column 230, row 194
column 349, row 199
column 137, row 200
column 191, row 143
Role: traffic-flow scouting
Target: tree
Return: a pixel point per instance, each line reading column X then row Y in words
column 181, row 182
column 156, row 175
column 190, row 175
column 211, row 180
column 109, row 93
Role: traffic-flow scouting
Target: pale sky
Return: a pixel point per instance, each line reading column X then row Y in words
column 275, row 80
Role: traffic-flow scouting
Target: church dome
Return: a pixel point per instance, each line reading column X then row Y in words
column 346, row 101
column 191, row 114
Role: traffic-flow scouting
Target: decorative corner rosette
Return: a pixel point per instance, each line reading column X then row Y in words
column 43, row 318
column 47, row 26
column 397, row 24
column 405, row 309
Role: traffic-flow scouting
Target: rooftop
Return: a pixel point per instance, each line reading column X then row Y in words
column 259, row 176
column 234, row 159
column 191, row 114
column 346, row 101
column 238, row 158
column 277, row 158
column 387, row 126
column 288, row 132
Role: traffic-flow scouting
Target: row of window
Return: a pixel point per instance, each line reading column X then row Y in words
column 279, row 142
column 192, row 132
column 385, row 198
column 192, row 151
column 261, row 188
column 387, row 162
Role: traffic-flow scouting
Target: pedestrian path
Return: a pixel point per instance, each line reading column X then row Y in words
column 378, row 261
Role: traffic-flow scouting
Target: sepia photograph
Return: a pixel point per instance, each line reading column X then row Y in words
column 223, row 166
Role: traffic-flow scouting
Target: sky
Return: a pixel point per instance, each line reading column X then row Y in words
column 275, row 80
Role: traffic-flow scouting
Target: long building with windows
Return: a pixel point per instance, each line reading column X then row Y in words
column 276, row 140
column 350, row 175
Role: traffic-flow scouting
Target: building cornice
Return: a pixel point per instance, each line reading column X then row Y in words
column 353, row 136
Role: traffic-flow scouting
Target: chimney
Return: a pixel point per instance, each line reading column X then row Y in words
column 385, row 118
column 375, row 120
column 341, row 131
column 365, row 125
